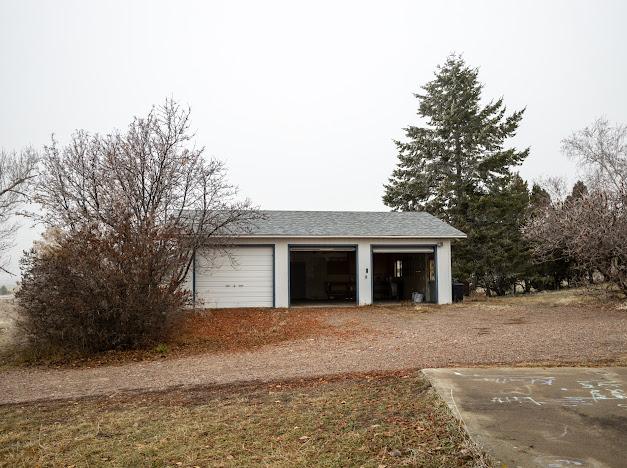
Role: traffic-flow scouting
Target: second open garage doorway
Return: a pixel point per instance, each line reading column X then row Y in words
column 323, row 275
column 403, row 274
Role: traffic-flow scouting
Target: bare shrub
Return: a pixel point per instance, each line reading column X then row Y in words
column 592, row 230
column 590, row 226
column 90, row 291
column 127, row 210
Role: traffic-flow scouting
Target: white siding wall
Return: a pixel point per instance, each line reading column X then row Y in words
column 364, row 272
column 364, row 267
column 281, row 276
column 444, row 279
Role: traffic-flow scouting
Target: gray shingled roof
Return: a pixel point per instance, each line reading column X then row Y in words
column 353, row 224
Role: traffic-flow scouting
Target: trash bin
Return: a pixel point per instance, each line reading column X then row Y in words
column 458, row 291
column 417, row 297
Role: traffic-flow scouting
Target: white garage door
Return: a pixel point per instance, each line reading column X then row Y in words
column 243, row 280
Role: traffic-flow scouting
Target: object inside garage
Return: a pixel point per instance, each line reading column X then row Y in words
column 404, row 274
column 322, row 275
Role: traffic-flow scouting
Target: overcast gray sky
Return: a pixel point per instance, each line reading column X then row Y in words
column 302, row 99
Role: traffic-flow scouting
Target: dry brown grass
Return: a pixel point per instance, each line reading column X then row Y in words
column 597, row 294
column 244, row 329
column 210, row 330
column 369, row 420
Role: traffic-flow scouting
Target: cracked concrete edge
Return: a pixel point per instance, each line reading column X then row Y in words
column 449, row 398
column 447, row 394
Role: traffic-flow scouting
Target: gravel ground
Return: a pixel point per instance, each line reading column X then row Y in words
column 547, row 329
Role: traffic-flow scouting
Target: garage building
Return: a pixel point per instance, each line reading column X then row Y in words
column 296, row 258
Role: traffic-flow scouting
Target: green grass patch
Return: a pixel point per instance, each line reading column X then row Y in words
column 368, row 420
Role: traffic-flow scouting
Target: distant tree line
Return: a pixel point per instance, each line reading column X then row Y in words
column 457, row 167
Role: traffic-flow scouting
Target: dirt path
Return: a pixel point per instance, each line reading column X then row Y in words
column 475, row 334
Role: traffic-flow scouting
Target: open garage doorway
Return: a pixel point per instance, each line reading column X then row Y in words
column 323, row 275
column 402, row 274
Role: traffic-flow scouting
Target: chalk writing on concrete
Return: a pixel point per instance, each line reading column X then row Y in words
column 504, row 379
column 604, row 390
column 599, row 383
column 595, row 391
column 515, row 399
column 589, row 392
column 562, row 462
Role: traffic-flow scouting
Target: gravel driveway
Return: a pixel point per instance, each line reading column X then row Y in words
column 495, row 332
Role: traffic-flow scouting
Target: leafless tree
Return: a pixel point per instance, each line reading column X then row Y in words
column 152, row 181
column 125, row 213
column 601, row 151
column 17, row 171
column 592, row 227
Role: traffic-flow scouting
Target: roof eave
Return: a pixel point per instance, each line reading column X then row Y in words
column 300, row 236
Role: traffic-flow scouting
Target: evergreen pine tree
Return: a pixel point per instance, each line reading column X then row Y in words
column 578, row 192
column 496, row 255
column 539, row 199
column 457, row 163
column 460, row 150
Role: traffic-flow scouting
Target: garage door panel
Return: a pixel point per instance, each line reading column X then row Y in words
column 245, row 278
column 212, row 291
column 238, row 281
column 253, row 252
column 255, row 300
column 233, row 305
column 235, row 280
column 248, row 272
column 237, row 263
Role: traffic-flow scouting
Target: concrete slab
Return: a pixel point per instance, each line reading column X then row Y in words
column 549, row 417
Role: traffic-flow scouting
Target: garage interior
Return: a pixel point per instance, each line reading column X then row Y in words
column 324, row 275
column 399, row 273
